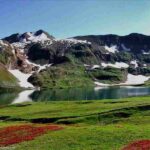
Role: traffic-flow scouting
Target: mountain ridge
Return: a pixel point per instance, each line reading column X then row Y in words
column 43, row 56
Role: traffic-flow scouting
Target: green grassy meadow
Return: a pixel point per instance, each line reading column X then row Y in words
column 88, row 125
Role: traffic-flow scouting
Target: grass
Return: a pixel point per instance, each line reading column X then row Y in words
column 62, row 76
column 6, row 79
column 88, row 125
column 109, row 75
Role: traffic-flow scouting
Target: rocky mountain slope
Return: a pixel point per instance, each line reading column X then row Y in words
column 38, row 59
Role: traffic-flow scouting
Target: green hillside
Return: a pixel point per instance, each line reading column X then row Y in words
column 6, row 78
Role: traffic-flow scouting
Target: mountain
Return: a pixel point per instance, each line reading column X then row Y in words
column 46, row 62
column 134, row 42
column 28, row 37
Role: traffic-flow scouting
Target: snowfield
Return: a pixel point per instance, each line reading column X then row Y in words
column 95, row 66
column 131, row 80
column 111, row 49
column 125, row 48
column 41, row 37
column 34, row 38
column 104, row 65
column 146, row 53
column 75, row 41
column 22, row 78
column 101, row 84
column 41, row 67
column 134, row 62
column 135, row 79
column 116, row 65
column 20, row 46
column 2, row 43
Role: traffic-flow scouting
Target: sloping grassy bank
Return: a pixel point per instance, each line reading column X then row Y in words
column 7, row 79
column 87, row 125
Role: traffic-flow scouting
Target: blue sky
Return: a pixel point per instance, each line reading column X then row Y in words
column 67, row 18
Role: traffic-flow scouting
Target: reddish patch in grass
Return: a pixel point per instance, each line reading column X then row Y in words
column 138, row 145
column 16, row 134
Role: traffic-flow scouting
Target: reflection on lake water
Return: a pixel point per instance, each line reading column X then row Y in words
column 23, row 96
column 73, row 94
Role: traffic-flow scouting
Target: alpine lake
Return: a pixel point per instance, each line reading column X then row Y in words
column 72, row 94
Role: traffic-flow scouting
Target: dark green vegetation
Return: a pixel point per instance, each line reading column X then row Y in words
column 68, row 68
column 124, row 56
column 68, row 63
column 109, row 75
column 62, row 76
column 140, row 70
column 144, row 58
column 106, row 124
column 72, row 75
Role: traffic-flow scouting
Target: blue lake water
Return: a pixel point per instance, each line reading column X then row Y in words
column 71, row 94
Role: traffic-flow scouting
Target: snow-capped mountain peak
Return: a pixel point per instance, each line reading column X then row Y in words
column 37, row 36
column 31, row 37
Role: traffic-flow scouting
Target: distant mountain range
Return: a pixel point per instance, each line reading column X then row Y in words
column 38, row 59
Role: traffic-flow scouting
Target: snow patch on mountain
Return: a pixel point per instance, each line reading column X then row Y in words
column 41, row 37
column 95, row 66
column 112, row 49
column 41, row 67
column 85, row 65
column 101, row 84
column 146, row 53
column 134, row 62
column 131, row 80
column 20, row 46
column 125, row 48
column 144, row 65
column 135, row 79
column 22, row 78
column 31, row 37
column 116, row 65
column 2, row 43
column 75, row 41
